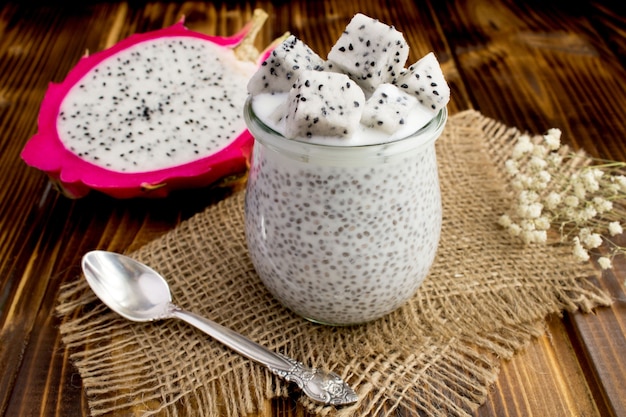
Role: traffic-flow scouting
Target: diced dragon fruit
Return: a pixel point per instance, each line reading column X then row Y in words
column 323, row 104
column 283, row 66
column 425, row 80
column 388, row 108
column 370, row 51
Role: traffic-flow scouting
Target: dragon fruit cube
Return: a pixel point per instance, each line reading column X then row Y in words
column 425, row 80
column 388, row 108
column 283, row 66
column 323, row 104
column 370, row 51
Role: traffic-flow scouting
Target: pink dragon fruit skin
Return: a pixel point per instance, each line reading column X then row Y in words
column 76, row 176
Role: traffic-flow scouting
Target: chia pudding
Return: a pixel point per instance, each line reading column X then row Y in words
column 342, row 234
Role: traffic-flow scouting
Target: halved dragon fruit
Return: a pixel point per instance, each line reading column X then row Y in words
column 157, row 111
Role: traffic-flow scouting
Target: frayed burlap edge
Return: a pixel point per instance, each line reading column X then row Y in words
column 486, row 297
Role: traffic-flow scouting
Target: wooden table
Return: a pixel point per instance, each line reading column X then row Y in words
column 533, row 65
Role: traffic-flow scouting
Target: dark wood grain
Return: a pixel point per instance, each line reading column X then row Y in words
column 533, row 65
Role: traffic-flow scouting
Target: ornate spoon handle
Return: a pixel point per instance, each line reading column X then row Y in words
column 320, row 386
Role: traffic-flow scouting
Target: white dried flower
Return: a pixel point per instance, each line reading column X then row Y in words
column 527, row 197
column 552, row 200
column 588, row 213
column 539, row 184
column 505, row 220
column 592, row 240
column 571, row 201
column 542, row 223
column 553, row 139
column 527, row 236
column 537, row 163
column 604, row 262
column 579, row 252
column 534, row 210
column 602, row 205
column 534, row 236
column 621, row 181
column 514, row 229
column 529, row 211
column 555, row 159
column 612, row 188
column 540, row 151
column 544, row 176
column 590, row 180
column 580, row 190
column 615, row 229
column 570, row 213
column 541, row 236
column 521, row 182
column 584, row 233
column 527, row 225
column 511, row 167
column 522, row 147
column 597, row 173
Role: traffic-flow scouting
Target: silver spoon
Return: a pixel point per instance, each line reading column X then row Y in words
column 138, row 293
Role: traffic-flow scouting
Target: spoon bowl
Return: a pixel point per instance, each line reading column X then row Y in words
column 133, row 290
column 138, row 293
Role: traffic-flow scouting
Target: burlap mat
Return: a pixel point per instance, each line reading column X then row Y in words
column 484, row 299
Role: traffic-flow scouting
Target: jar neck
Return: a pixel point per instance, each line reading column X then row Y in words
column 425, row 137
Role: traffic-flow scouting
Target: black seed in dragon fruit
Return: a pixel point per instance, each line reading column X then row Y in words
column 370, row 52
column 282, row 67
column 425, row 80
column 323, row 104
column 388, row 108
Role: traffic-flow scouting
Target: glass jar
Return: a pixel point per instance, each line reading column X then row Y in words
column 342, row 234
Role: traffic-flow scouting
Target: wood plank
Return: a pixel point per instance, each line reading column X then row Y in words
column 545, row 379
column 602, row 339
column 609, row 19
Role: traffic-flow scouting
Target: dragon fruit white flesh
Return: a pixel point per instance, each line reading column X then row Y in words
column 282, row 67
column 370, row 52
column 157, row 111
column 388, row 108
column 323, row 104
column 425, row 80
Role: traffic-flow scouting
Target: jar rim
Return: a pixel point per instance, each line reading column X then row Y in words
column 431, row 131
